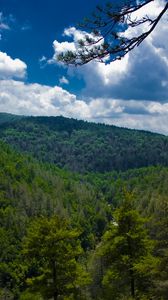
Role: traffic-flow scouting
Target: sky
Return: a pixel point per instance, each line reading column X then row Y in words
column 132, row 92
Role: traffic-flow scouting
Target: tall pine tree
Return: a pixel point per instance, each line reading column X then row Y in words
column 126, row 248
column 53, row 249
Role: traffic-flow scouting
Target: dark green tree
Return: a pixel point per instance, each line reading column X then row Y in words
column 161, row 224
column 127, row 252
column 53, row 249
column 12, row 272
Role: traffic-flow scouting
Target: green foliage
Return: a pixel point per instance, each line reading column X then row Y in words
column 127, row 252
column 5, row 118
column 161, row 284
column 28, row 190
column 27, row 295
column 85, row 147
column 31, row 191
column 52, row 249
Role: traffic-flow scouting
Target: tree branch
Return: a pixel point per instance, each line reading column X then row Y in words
column 107, row 26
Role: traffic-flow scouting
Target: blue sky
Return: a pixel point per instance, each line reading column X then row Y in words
column 131, row 93
column 35, row 26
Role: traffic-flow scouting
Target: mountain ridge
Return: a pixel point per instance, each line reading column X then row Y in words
column 8, row 117
column 82, row 147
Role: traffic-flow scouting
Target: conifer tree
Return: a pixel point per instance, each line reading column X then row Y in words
column 126, row 248
column 52, row 249
column 161, row 284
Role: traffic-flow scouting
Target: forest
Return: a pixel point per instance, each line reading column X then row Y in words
column 83, row 211
column 81, row 146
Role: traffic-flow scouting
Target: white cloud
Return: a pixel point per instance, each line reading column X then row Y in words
column 151, row 10
column 76, row 35
column 145, row 115
column 43, row 59
column 4, row 26
column 59, row 48
column 142, row 74
column 132, row 92
column 9, row 22
column 107, row 73
column 35, row 99
column 73, row 32
column 11, row 68
column 63, row 80
column 3, row 23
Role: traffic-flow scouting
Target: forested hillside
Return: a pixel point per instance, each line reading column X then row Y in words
column 29, row 190
column 84, row 147
column 5, row 118
column 83, row 204
column 41, row 204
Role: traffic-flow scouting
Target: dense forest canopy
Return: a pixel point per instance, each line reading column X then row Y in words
column 30, row 190
column 80, row 235
column 83, row 206
column 83, row 147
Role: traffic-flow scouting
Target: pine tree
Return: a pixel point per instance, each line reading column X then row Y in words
column 52, row 249
column 105, row 29
column 127, row 252
column 162, row 249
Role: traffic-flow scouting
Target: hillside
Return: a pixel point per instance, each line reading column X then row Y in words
column 5, row 118
column 29, row 189
column 84, row 147
column 36, row 194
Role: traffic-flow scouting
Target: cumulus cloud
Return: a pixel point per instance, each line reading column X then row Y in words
column 59, row 48
column 76, row 35
column 145, row 115
column 129, row 93
column 35, row 99
column 11, row 68
column 141, row 75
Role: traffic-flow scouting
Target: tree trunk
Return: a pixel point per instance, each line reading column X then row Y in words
column 132, row 280
column 132, row 284
column 55, row 295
